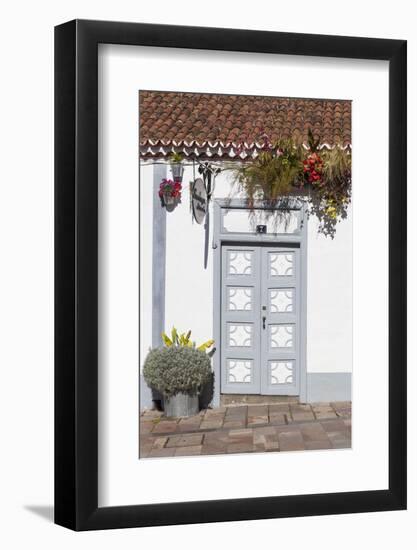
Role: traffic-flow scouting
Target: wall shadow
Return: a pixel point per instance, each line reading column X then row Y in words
column 45, row 512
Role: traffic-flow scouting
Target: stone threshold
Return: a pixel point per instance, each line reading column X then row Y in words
column 231, row 399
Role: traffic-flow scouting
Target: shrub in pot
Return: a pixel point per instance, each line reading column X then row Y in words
column 178, row 373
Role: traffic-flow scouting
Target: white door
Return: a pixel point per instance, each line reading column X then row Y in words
column 260, row 318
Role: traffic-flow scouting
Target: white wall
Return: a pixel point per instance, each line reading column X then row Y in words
column 189, row 287
column 145, row 273
column 26, row 318
column 329, row 298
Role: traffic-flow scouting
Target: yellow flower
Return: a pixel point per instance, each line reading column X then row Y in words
column 331, row 212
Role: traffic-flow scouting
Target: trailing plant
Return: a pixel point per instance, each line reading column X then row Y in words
column 330, row 200
column 284, row 169
column 177, row 369
column 184, row 340
column 273, row 173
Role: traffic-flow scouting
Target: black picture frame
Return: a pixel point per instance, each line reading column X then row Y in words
column 76, row 272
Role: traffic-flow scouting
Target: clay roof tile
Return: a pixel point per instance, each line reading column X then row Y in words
column 181, row 116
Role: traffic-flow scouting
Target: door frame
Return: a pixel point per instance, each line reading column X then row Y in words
column 223, row 237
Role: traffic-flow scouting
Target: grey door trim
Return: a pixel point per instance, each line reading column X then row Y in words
column 219, row 239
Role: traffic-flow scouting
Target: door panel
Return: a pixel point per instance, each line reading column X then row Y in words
column 260, row 318
column 240, row 319
column 280, row 320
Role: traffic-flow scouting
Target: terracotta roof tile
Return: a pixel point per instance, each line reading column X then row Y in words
column 174, row 119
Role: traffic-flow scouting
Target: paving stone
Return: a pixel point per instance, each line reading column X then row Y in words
column 291, row 441
column 165, row 426
column 280, row 408
column 265, row 441
column 343, row 412
column 215, row 446
column 265, row 430
column 271, row 444
column 240, row 448
column 257, row 421
column 244, row 432
column 318, row 445
column 191, row 424
column 159, row 442
column 341, row 404
column 334, row 426
column 287, row 428
column 233, row 424
column 188, row 451
column 146, row 426
column 277, row 418
column 185, row 440
column 236, row 412
column 154, row 453
column 324, row 413
column 301, row 416
column 314, row 432
column 145, row 449
column 259, row 439
column 341, row 444
column 215, row 412
column 218, row 435
column 149, row 414
column 343, row 432
column 257, row 410
column 211, row 424
column 244, row 436
column 214, row 450
column 300, row 408
column 145, row 439
column 257, row 414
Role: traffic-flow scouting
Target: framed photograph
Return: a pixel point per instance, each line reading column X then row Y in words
column 230, row 247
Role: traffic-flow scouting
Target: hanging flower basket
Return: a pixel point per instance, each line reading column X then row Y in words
column 170, row 193
column 284, row 169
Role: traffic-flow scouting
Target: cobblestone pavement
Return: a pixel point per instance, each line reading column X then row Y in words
column 247, row 429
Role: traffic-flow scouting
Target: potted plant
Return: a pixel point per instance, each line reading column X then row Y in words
column 170, row 193
column 177, row 168
column 178, row 370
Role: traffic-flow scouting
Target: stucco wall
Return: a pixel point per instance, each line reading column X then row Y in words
column 189, row 290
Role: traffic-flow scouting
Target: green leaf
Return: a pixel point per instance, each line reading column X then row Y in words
column 166, row 340
column 174, row 335
column 206, row 345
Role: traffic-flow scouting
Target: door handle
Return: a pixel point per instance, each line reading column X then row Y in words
column 263, row 322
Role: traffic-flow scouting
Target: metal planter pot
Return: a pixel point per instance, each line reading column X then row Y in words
column 181, row 404
column 170, row 202
column 177, row 170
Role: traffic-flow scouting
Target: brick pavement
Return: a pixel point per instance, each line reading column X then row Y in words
column 247, row 429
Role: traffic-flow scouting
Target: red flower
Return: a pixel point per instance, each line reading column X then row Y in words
column 313, row 167
column 169, row 187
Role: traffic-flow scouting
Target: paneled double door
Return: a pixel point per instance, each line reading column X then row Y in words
column 260, row 320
